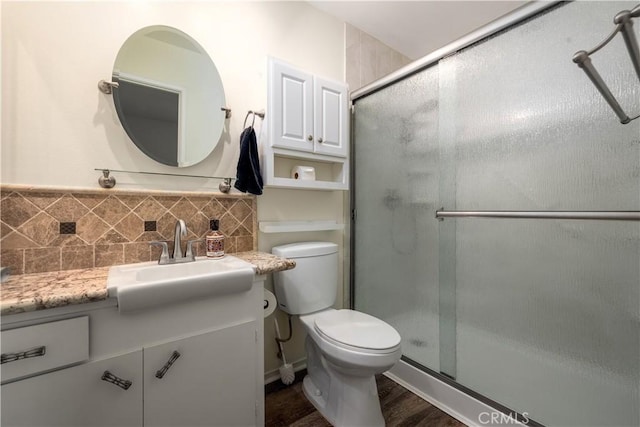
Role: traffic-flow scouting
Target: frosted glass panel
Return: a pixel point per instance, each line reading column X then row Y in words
column 396, row 180
column 528, row 128
column 547, row 312
column 542, row 316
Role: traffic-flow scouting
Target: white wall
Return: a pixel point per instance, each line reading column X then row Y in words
column 57, row 127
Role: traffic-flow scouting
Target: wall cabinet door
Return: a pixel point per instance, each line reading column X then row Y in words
column 330, row 117
column 212, row 382
column 77, row 396
column 291, row 103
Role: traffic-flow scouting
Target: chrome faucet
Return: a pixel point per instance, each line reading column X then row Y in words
column 177, row 256
column 181, row 230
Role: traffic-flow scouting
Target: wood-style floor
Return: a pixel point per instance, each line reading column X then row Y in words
column 400, row 407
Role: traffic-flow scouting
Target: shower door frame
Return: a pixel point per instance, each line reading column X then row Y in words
column 516, row 17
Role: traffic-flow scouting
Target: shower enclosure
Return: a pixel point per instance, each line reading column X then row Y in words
column 541, row 316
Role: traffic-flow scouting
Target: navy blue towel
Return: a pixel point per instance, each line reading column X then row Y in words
column 248, row 176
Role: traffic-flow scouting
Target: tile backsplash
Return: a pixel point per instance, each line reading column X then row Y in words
column 51, row 230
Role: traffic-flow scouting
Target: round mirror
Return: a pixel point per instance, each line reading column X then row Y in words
column 169, row 97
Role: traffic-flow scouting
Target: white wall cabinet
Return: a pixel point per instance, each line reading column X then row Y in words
column 308, row 126
column 217, row 379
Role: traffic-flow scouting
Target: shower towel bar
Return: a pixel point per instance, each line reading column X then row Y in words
column 593, row 215
column 624, row 25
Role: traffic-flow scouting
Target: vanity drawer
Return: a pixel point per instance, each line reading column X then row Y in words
column 33, row 349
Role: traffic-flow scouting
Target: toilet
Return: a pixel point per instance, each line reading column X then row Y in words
column 345, row 348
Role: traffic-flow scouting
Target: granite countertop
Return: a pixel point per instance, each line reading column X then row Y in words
column 39, row 291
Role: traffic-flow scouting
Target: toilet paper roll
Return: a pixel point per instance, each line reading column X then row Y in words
column 306, row 173
column 270, row 303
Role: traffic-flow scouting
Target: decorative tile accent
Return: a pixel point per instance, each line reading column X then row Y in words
column 111, row 227
column 67, row 228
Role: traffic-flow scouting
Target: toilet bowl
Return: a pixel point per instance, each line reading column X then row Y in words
column 345, row 348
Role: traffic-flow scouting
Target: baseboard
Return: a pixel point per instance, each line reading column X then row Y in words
column 454, row 402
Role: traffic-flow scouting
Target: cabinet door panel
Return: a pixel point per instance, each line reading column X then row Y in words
column 331, row 118
column 212, row 382
column 292, row 98
column 77, row 396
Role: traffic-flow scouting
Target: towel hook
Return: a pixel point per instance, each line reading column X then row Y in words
column 255, row 113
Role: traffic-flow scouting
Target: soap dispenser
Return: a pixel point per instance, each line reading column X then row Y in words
column 215, row 240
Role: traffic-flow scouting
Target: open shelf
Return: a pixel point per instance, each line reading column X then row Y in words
column 332, row 173
column 295, row 226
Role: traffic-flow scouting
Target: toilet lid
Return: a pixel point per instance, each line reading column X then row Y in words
column 357, row 329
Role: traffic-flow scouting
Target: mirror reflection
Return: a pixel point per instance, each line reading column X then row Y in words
column 169, row 97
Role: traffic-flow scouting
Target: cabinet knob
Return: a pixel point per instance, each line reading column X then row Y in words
column 310, row 137
column 110, row 378
column 320, row 140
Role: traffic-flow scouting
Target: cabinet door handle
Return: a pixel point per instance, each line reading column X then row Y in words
column 320, row 140
column 165, row 368
column 110, row 378
column 27, row 354
column 310, row 138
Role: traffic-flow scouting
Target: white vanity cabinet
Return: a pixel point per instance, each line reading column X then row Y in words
column 216, row 370
column 77, row 396
column 216, row 379
column 308, row 124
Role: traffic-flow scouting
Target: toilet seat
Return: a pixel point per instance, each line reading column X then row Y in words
column 358, row 331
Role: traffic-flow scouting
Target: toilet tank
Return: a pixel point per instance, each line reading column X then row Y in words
column 312, row 284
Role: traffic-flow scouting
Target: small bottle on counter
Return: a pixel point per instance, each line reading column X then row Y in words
column 215, row 241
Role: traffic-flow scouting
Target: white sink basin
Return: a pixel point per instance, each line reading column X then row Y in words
column 148, row 284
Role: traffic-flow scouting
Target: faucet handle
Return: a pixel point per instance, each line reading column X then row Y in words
column 190, row 253
column 164, row 256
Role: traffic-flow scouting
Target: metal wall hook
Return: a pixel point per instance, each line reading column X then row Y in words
column 107, row 87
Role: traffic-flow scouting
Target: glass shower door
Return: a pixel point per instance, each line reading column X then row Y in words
column 546, row 310
column 541, row 316
column 396, row 237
